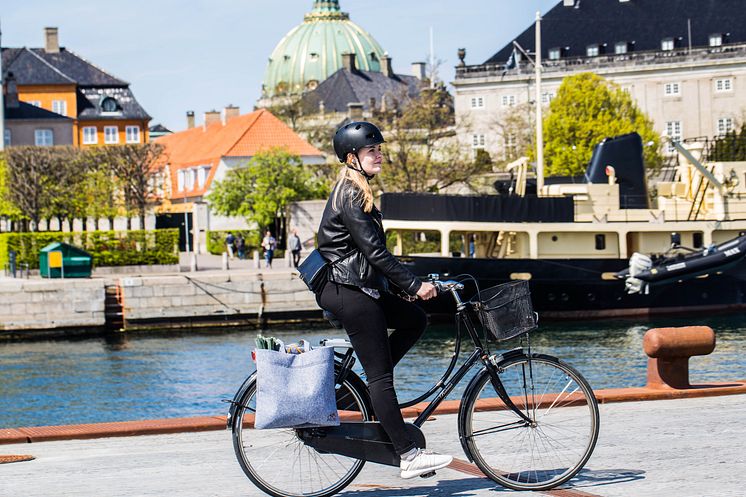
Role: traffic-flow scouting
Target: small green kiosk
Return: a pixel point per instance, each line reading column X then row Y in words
column 61, row 260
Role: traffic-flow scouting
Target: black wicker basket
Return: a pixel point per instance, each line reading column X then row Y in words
column 506, row 311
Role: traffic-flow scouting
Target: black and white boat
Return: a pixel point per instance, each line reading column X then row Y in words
column 574, row 240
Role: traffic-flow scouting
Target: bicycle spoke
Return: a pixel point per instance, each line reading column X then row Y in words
column 551, row 449
column 281, row 463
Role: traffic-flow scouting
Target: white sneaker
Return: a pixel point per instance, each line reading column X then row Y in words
column 424, row 462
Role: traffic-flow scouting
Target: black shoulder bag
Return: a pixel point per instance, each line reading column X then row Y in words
column 314, row 270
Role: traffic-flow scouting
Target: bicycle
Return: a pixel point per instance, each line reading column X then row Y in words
column 528, row 421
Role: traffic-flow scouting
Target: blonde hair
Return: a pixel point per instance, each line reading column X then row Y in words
column 363, row 194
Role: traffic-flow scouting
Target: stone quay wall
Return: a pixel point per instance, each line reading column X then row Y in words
column 191, row 299
column 51, row 304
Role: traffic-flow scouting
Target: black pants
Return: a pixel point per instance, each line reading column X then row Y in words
column 296, row 258
column 366, row 321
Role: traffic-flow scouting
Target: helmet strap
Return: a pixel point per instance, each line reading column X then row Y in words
column 357, row 167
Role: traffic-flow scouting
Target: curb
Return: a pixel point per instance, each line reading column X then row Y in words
column 208, row 423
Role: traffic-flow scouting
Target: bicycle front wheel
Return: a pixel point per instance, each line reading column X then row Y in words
column 549, row 449
column 281, row 464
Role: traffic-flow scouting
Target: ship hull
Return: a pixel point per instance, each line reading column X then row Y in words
column 583, row 288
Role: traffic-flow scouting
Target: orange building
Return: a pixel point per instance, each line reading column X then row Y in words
column 102, row 107
column 198, row 156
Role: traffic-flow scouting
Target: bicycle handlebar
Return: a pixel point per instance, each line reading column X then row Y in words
column 451, row 286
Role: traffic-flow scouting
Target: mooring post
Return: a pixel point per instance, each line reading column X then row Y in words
column 669, row 350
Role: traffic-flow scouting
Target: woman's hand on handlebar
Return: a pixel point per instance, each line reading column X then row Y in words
column 427, row 291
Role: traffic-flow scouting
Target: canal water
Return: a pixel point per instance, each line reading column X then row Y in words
column 148, row 376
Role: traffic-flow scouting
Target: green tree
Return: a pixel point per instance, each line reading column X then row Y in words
column 8, row 209
column 137, row 173
column 422, row 153
column 261, row 191
column 586, row 110
column 32, row 172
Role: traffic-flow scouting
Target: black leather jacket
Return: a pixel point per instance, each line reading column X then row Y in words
column 356, row 241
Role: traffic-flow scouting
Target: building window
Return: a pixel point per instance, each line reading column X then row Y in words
column 180, row 180
column 547, row 97
column 716, row 40
column 621, row 47
column 667, row 44
column 592, row 51
column 725, row 125
column 671, row 89
column 673, row 131
column 725, row 84
column 59, row 107
column 133, row 134
column 43, row 137
column 511, row 149
column 555, row 53
column 35, row 103
column 189, row 180
column 111, row 134
column 109, row 105
column 477, row 102
column 90, row 135
column 477, row 141
column 508, row 100
column 7, row 138
column 202, row 176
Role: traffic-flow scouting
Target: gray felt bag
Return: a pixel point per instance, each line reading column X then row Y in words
column 295, row 390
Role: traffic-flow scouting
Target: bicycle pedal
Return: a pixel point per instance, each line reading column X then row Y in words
column 428, row 475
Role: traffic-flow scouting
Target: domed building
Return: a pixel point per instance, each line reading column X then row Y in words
column 312, row 51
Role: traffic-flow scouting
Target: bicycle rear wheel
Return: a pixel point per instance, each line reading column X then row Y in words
column 549, row 450
column 281, row 464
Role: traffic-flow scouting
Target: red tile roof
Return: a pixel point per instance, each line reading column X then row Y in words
column 242, row 136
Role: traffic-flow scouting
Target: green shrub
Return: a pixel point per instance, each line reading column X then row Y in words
column 216, row 240
column 108, row 248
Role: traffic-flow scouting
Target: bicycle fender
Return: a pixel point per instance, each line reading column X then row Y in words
column 236, row 398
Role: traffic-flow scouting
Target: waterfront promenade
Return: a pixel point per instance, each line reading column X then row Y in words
column 691, row 447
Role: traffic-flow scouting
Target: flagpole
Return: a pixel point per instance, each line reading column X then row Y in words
column 539, row 128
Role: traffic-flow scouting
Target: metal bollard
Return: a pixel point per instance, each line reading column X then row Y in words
column 12, row 262
column 669, row 350
column 193, row 263
column 255, row 257
column 225, row 261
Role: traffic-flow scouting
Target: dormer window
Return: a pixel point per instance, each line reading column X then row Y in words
column 373, row 56
column 555, row 53
column 621, row 47
column 314, row 56
column 716, row 40
column 667, row 44
column 592, row 50
column 108, row 104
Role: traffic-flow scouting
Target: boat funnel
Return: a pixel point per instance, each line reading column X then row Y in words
column 622, row 155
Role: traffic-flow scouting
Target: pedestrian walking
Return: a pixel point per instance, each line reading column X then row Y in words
column 295, row 246
column 241, row 247
column 230, row 244
column 269, row 244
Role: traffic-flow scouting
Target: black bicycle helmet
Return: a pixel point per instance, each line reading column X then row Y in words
column 353, row 136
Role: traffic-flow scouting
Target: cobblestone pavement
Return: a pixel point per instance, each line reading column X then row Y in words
column 678, row 448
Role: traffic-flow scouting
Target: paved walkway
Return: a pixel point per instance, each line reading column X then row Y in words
column 679, row 448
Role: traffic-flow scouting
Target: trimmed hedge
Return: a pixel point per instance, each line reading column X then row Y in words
column 216, row 242
column 108, row 248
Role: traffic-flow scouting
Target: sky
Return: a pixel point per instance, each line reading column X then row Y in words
column 199, row 55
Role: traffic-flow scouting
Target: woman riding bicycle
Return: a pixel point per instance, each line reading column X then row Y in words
column 358, row 292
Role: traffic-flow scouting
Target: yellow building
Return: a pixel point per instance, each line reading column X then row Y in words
column 103, row 109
